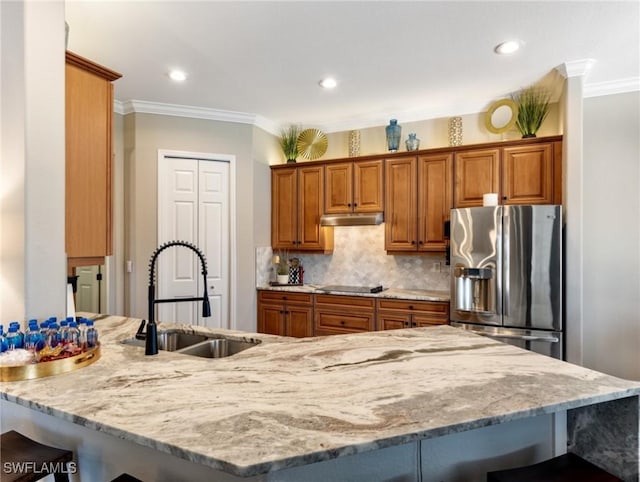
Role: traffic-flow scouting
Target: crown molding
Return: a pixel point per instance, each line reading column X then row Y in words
column 620, row 86
column 377, row 119
column 576, row 68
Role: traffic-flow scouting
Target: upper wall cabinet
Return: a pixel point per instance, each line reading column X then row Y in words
column 297, row 201
column 354, row 187
column 88, row 202
column 418, row 201
column 519, row 174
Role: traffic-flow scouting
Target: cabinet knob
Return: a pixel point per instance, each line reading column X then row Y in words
column 406, row 323
column 413, row 242
column 410, row 307
column 284, row 297
column 504, row 197
column 348, row 205
column 420, row 242
column 413, row 323
column 342, row 322
column 355, row 205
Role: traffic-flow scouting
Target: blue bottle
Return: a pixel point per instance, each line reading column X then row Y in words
column 393, row 131
column 63, row 330
column 53, row 336
column 91, row 335
column 14, row 340
column 3, row 340
column 73, row 334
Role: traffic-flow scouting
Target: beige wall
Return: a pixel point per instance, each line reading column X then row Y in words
column 611, row 227
column 144, row 135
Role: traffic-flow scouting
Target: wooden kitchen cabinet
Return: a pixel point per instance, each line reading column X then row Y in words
column 477, row 173
column 285, row 313
column 297, row 202
column 354, row 187
column 521, row 174
column 337, row 314
column 88, row 124
column 418, row 201
column 395, row 314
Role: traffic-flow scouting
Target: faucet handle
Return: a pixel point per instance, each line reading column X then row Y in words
column 139, row 334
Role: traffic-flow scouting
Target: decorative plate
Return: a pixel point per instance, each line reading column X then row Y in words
column 489, row 121
column 312, row 144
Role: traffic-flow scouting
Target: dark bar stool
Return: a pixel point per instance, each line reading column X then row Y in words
column 126, row 478
column 565, row 468
column 28, row 460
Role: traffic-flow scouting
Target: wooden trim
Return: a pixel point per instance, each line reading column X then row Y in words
column 557, row 172
column 90, row 66
column 92, row 261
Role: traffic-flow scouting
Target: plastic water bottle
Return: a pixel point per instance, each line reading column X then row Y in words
column 3, row 340
column 30, row 335
column 73, row 334
column 91, row 334
column 53, row 335
column 63, row 331
column 20, row 342
column 14, row 340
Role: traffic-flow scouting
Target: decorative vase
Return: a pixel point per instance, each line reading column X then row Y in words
column 455, row 131
column 283, row 279
column 354, row 143
column 527, row 136
column 291, row 161
column 412, row 143
column 393, row 131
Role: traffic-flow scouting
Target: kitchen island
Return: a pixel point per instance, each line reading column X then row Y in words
column 400, row 404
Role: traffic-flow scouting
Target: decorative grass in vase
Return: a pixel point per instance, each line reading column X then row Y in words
column 281, row 260
column 533, row 107
column 289, row 142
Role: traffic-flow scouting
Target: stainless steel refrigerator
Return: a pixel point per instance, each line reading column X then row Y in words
column 506, row 274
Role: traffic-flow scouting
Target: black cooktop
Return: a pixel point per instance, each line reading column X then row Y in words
column 352, row 289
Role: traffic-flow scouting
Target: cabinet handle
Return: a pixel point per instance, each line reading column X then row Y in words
column 348, row 205
column 413, row 323
column 413, row 242
column 342, row 322
column 284, row 297
column 504, row 197
column 355, row 205
column 410, row 307
column 406, row 323
column 420, row 242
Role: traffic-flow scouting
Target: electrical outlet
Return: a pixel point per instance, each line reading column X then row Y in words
column 436, row 267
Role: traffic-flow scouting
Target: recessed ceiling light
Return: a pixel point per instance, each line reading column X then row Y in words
column 177, row 75
column 328, row 83
column 508, row 47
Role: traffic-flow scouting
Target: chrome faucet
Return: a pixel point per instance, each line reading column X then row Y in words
column 151, row 337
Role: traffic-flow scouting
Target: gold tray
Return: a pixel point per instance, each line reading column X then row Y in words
column 47, row 369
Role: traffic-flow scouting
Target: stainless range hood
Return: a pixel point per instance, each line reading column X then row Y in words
column 354, row 219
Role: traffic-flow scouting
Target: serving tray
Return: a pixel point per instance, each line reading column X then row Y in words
column 49, row 368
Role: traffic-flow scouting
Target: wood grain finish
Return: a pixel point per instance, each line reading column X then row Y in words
column 527, row 174
column 434, row 200
column 354, row 187
column 396, row 314
column 88, row 124
column 285, row 314
column 335, row 314
column 477, row 173
column 400, row 204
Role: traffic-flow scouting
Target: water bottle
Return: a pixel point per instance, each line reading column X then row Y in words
column 73, row 334
column 14, row 341
column 30, row 335
column 53, row 335
column 3, row 340
column 91, row 335
column 82, row 329
column 20, row 334
column 63, row 331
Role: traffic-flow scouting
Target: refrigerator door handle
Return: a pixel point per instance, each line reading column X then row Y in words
column 548, row 339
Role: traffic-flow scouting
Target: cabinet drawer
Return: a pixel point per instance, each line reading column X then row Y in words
column 285, row 296
column 435, row 307
column 343, row 322
column 344, row 302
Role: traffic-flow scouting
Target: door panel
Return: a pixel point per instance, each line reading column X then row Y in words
column 477, row 173
column 400, row 204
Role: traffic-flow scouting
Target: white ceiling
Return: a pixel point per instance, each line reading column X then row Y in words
column 409, row 60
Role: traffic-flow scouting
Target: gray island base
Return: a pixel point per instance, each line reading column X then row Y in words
column 406, row 405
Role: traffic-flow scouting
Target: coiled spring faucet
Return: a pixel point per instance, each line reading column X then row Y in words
column 151, row 337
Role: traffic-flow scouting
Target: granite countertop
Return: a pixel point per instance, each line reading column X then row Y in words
column 289, row 402
column 392, row 293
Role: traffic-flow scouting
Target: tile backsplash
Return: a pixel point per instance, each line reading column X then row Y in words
column 359, row 258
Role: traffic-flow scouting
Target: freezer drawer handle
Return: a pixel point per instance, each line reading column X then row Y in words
column 549, row 339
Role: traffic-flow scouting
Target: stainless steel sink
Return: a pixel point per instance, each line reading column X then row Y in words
column 218, row 348
column 205, row 346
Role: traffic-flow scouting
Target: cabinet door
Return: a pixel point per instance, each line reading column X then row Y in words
column 88, row 121
column 284, row 187
column 400, row 204
column 393, row 321
column 434, row 200
column 527, row 174
column 312, row 236
column 271, row 319
column 477, row 172
column 339, row 188
column 368, row 191
column 299, row 321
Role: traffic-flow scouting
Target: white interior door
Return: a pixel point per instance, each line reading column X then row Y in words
column 193, row 206
column 88, row 292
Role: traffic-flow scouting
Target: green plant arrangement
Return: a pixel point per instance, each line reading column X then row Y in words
column 289, row 142
column 533, row 107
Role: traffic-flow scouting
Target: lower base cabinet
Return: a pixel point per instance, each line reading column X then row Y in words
column 397, row 314
column 285, row 313
column 336, row 315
